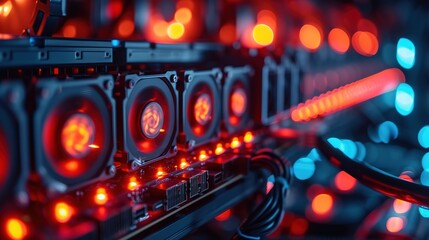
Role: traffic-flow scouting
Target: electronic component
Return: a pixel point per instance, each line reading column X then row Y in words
column 172, row 191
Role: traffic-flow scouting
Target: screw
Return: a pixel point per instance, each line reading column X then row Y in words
column 130, row 84
column 111, row 170
column 173, row 78
column 189, row 78
column 132, row 165
column 173, row 149
column 108, row 85
column 190, row 144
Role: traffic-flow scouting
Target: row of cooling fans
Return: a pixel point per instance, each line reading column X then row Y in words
column 66, row 133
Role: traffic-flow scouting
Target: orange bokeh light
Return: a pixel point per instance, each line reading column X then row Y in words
column 203, row 155
column 238, row 102
column 101, row 197
column 365, row 43
column 203, row 109
column 175, row 30
column 310, row 37
column 6, row 8
column 401, row 206
column 339, row 40
column 126, row 28
column 235, row 142
column 183, row 15
column 267, row 17
column 183, row 163
column 152, row 120
column 322, row 204
column 344, row 182
column 63, row 212
column 219, row 149
column 160, row 173
column 227, row 34
column 16, row 229
column 394, row 224
column 77, row 134
column 248, row 137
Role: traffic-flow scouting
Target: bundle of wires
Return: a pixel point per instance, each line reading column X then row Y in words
column 269, row 214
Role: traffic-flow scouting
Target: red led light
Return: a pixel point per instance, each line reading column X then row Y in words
column 238, row 102
column 16, row 229
column 77, row 135
column 203, row 109
column 227, row 34
column 322, row 204
column 63, row 212
column 152, row 120
column 348, row 95
column 394, row 224
column 160, row 173
column 183, row 163
column 183, row 15
column 299, row 226
column 223, row 216
column 344, row 182
column 133, row 184
column 101, row 197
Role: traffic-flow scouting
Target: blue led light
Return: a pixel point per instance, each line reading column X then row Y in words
column 425, row 161
column 423, row 136
column 404, row 100
column 337, row 143
column 387, row 131
column 424, row 212
column 116, row 43
column 304, row 168
column 406, row 53
column 424, row 178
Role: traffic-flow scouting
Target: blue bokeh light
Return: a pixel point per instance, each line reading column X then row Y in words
column 404, row 99
column 387, row 131
column 406, row 53
column 304, row 168
column 424, row 178
column 425, row 161
column 423, row 136
column 424, row 212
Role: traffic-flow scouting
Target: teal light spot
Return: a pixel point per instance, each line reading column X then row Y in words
column 387, row 131
column 424, row 178
column 424, row 212
column 337, row 143
column 406, row 53
column 404, row 100
column 349, row 148
column 304, row 168
column 361, row 151
column 423, row 136
column 425, row 161
column 314, row 155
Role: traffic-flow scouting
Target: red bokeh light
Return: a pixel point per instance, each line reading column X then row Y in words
column 4, row 159
column 345, row 182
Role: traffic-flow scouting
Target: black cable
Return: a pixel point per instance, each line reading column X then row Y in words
column 375, row 178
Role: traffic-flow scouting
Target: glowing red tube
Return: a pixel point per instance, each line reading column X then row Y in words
column 348, row 95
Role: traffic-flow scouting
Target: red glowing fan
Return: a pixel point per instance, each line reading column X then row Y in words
column 74, row 133
column 147, row 118
column 13, row 142
column 200, row 106
column 236, row 99
column 31, row 16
